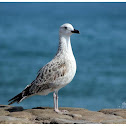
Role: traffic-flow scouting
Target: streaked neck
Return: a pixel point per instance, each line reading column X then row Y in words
column 64, row 44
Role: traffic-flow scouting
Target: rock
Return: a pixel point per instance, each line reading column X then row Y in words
column 119, row 121
column 75, row 116
column 66, row 121
column 5, row 106
column 46, row 115
column 12, row 120
column 3, row 112
column 116, row 112
column 22, row 114
column 15, row 109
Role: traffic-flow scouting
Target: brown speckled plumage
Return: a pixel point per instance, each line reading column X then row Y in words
column 56, row 74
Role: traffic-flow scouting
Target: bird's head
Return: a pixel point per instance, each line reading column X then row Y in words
column 67, row 29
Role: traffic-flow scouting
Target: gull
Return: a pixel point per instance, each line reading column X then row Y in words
column 55, row 74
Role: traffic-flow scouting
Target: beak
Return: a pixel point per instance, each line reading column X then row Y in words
column 75, row 31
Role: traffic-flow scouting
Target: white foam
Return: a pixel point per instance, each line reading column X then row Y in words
column 123, row 106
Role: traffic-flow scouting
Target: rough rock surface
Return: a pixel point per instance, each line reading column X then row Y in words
column 46, row 115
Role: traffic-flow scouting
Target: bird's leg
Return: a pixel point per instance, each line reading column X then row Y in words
column 54, row 99
column 57, row 100
column 57, row 109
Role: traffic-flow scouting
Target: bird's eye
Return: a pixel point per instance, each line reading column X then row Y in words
column 65, row 27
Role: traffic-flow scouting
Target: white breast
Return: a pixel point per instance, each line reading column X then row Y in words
column 72, row 67
column 65, row 54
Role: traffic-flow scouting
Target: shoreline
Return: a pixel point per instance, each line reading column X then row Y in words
column 46, row 115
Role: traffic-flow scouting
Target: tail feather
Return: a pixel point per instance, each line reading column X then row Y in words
column 21, row 96
column 17, row 99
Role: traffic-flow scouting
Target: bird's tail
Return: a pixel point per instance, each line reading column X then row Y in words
column 27, row 92
column 21, row 96
column 18, row 98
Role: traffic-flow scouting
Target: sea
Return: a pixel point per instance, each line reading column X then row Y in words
column 29, row 36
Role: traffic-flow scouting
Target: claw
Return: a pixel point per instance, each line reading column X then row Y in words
column 61, row 111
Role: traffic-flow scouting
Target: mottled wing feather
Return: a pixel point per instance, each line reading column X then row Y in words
column 47, row 76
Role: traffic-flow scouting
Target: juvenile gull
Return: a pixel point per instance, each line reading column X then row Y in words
column 57, row 73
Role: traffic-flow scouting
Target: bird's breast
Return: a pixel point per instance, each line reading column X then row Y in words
column 70, row 70
column 72, row 67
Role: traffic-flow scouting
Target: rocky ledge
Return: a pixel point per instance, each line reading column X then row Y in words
column 46, row 115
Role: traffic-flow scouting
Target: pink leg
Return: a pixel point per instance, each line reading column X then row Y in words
column 56, row 104
column 54, row 100
column 55, row 97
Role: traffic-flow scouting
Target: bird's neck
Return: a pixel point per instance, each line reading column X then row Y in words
column 64, row 44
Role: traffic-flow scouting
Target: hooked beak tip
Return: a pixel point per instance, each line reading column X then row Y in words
column 75, row 31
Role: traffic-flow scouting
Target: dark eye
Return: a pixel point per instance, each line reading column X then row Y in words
column 65, row 27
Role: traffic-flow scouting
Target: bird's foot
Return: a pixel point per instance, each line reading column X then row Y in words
column 61, row 111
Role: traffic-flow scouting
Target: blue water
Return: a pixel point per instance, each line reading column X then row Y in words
column 29, row 39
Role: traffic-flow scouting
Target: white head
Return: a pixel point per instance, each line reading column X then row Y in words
column 67, row 29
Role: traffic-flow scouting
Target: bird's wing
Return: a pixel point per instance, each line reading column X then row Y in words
column 46, row 79
column 47, row 76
